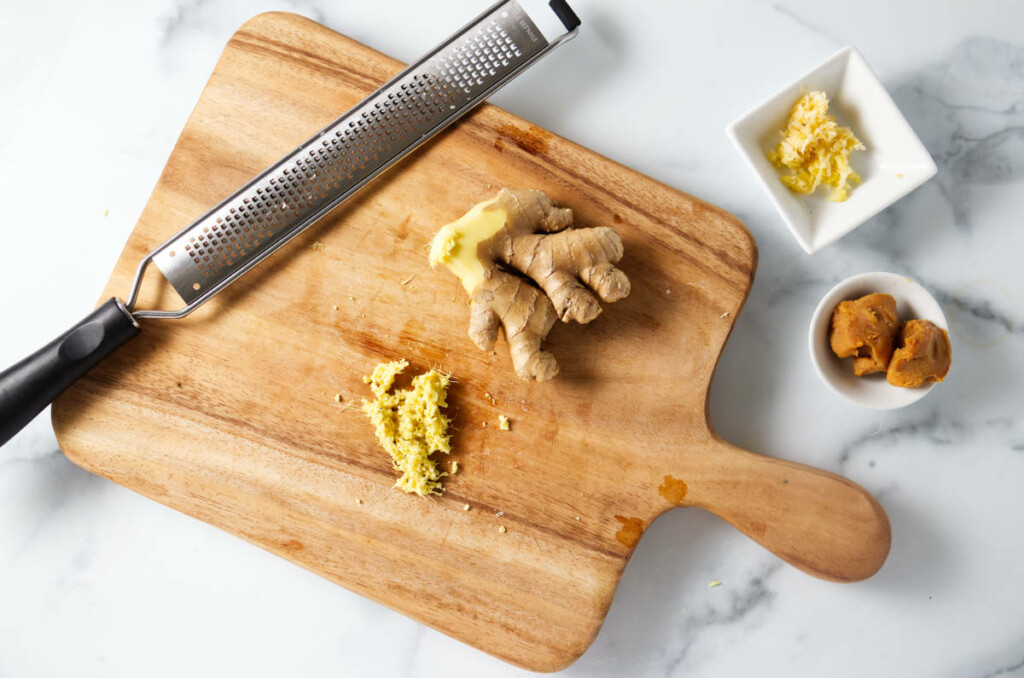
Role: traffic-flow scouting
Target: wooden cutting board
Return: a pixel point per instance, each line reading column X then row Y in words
column 230, row 415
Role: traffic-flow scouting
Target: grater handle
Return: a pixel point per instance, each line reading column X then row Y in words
column 30, row 385
column 564, row 12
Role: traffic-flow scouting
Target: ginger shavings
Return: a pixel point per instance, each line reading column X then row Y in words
column 816, row 149
column 409, row 424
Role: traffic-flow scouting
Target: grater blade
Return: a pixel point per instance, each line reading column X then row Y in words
column 309, row 182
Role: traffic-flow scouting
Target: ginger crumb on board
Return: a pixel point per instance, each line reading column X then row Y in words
column 713, row 583
column 408, row 280
column 455, row 468
column 577, row 517
column 491, row 398
column 466, row 507
column 338, row 398
column 358, row 500
column 501, row 528
column 335, row 307
column 724, row 315
column 317, row 245
column 351, row 298
column 503, row 422
column 816, row 149
column 410, row 425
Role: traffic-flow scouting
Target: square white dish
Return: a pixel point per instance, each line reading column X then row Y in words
column 894, row 163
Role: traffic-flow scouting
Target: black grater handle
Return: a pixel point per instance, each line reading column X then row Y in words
column 30, row 385
column 564, row 12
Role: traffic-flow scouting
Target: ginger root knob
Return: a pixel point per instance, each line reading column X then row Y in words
column 524, row 266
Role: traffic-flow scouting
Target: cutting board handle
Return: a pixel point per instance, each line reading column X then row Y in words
column 817, row 521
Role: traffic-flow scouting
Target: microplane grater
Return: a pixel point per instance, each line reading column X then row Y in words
column 304, row 186
column 316, row 177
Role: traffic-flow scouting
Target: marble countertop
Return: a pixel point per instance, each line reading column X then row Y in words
column 98, row 581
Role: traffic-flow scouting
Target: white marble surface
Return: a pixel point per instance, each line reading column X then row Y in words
column 97, row 581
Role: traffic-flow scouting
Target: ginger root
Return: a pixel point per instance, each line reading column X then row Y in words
column 524, row 266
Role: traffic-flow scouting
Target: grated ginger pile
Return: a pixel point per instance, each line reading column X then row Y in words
column 409, row 424
column 816, row 149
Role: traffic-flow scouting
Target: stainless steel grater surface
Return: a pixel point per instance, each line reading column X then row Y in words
column 309, row 182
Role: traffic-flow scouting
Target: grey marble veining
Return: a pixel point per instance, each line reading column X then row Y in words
column 95, row 580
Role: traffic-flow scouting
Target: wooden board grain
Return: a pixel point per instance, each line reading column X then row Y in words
column 230, row 416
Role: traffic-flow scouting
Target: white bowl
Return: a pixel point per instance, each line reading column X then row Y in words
column 894, row 164
column 873, row 391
